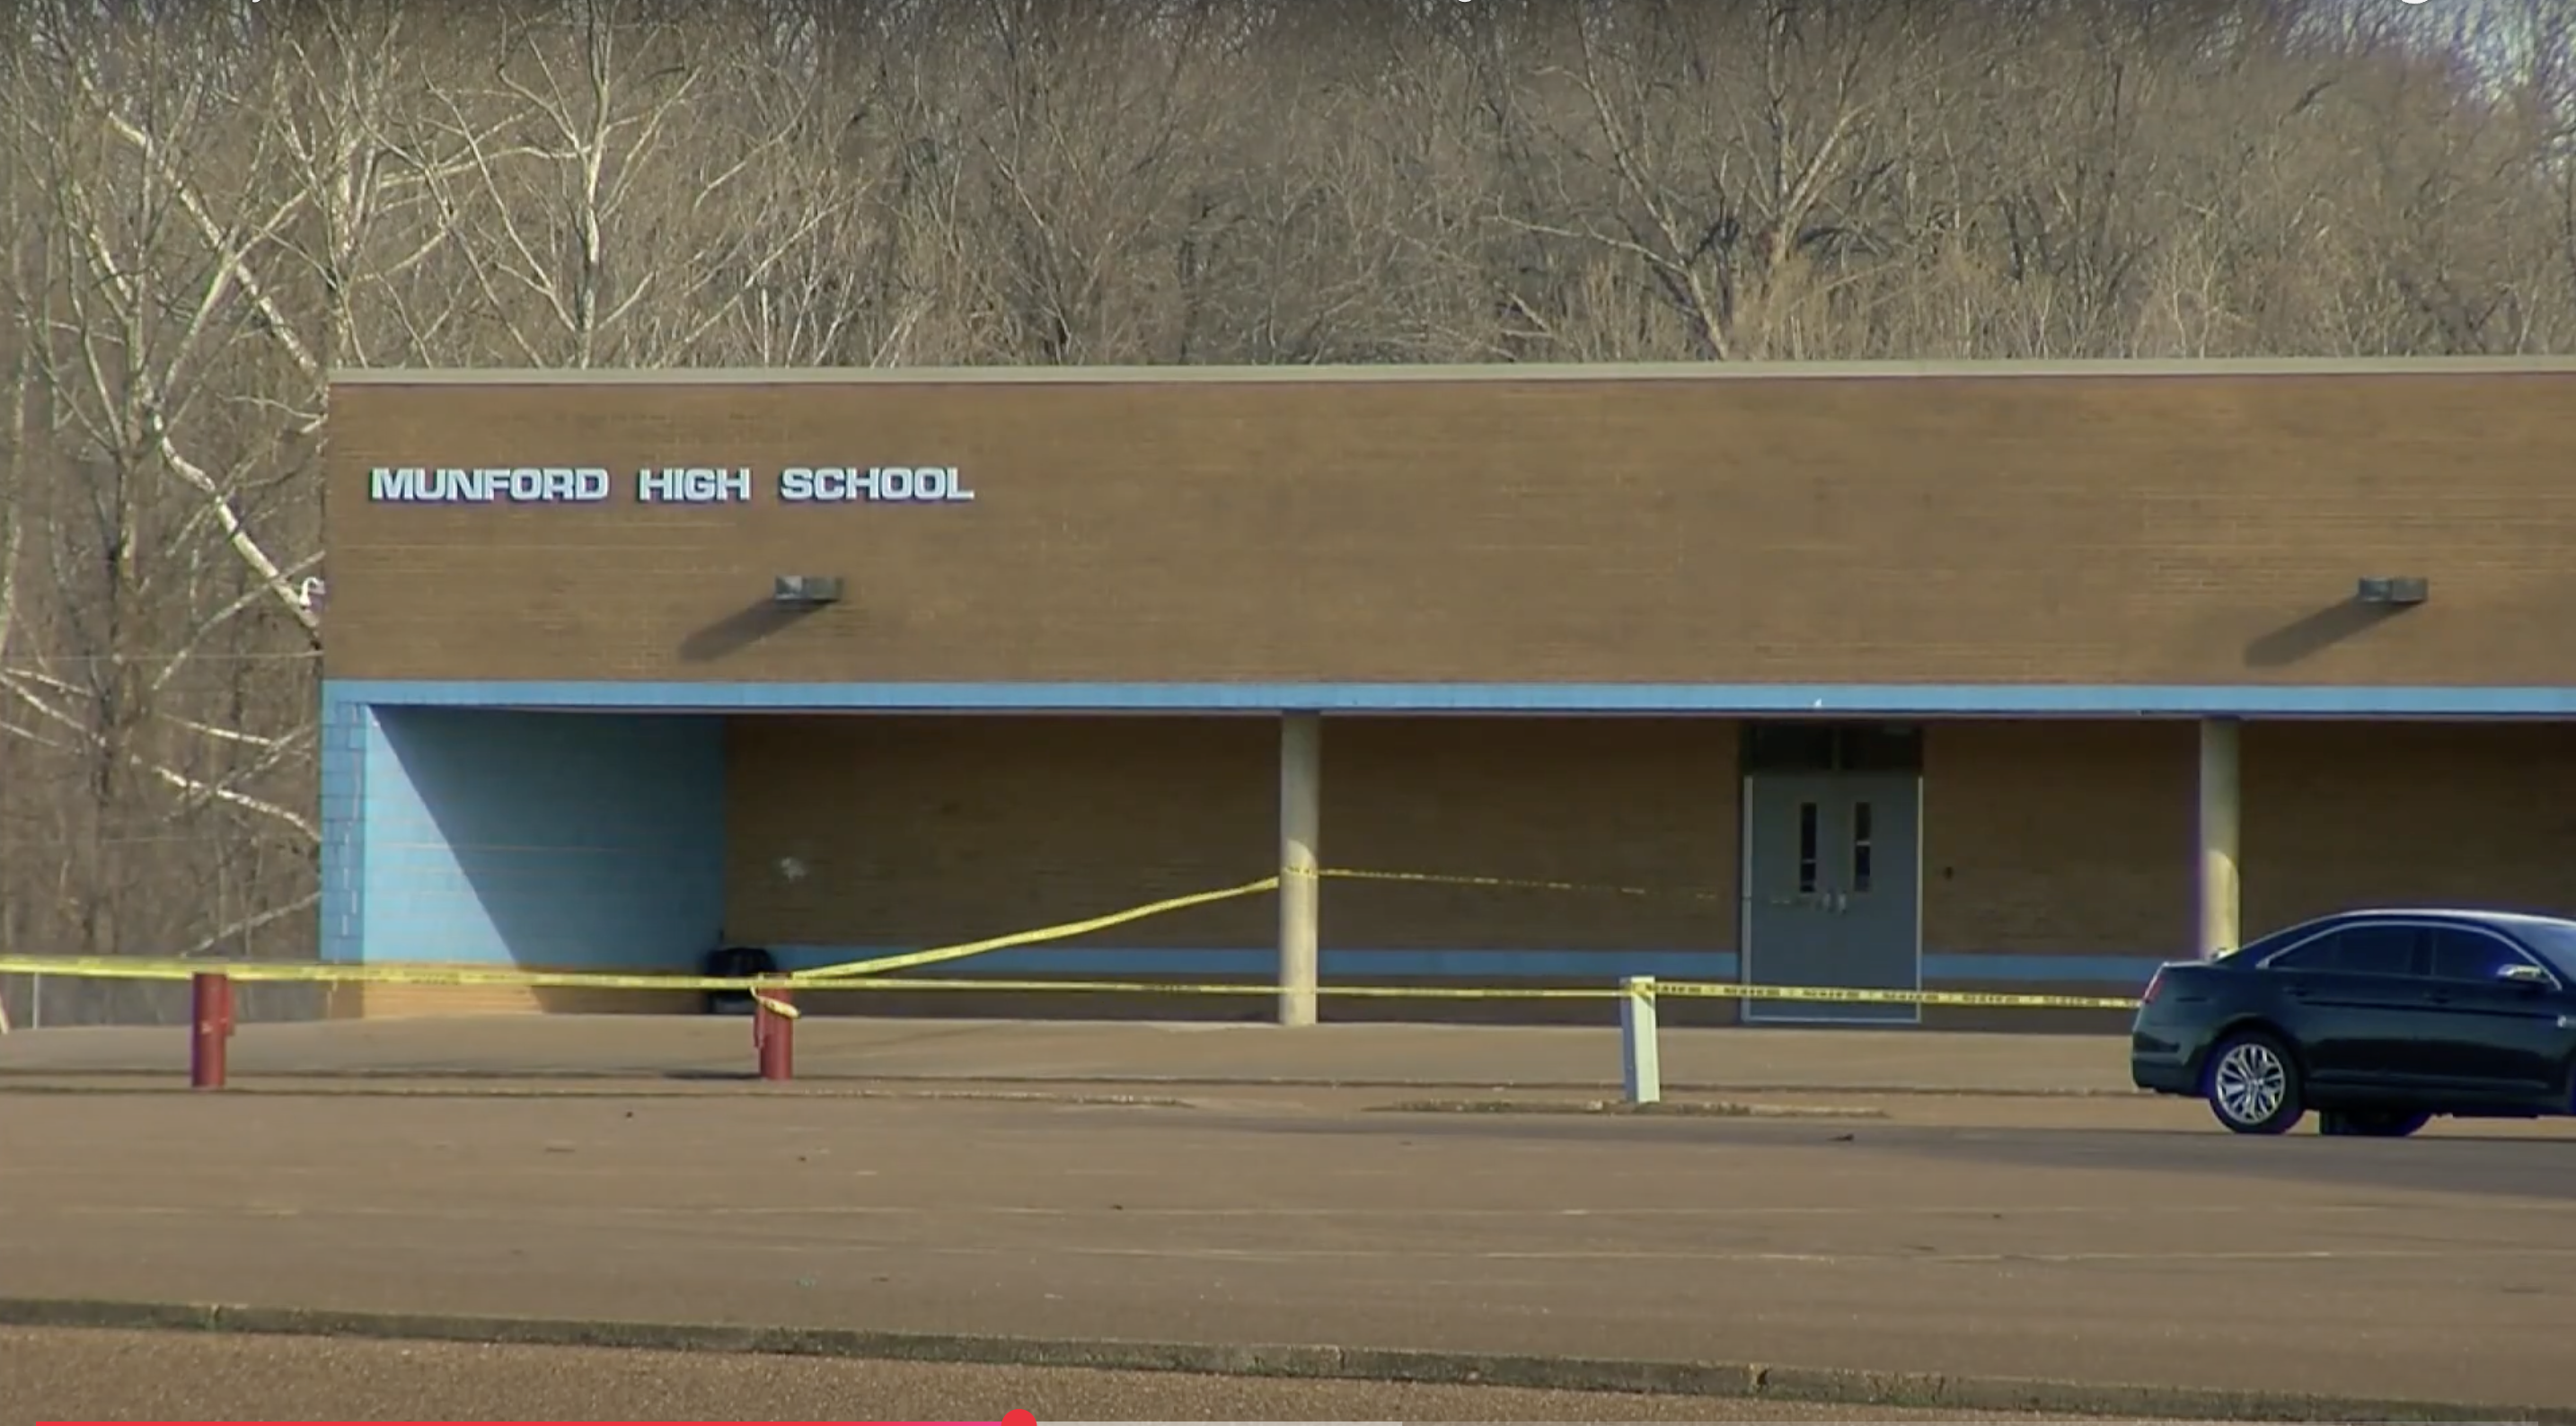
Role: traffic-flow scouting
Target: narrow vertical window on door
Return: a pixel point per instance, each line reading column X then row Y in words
column 1860, row 848
column 1806, row 848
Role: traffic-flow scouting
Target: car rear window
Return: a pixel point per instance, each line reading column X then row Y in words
column 2362, row 950
column 2554, row 942
column 2462, row 954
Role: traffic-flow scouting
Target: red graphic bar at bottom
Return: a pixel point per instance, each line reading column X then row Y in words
column 1010, row 1418
column 1014, row 1418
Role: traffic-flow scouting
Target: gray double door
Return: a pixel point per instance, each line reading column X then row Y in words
column 1833, row 892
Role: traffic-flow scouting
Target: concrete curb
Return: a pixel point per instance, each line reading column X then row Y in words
column 707, row 1090
column 1616, row 1108
column 1833, row 1386
column 464, row 1081
column 1544, row 1086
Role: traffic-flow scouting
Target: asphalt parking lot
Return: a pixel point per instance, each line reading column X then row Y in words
column 129, row 1376
column 2127, row 1241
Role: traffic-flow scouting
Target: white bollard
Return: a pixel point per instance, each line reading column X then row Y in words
column 1640, row 1047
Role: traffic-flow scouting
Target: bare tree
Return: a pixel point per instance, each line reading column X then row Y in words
column 205, row 207
column 147, row 319
column 634, row 184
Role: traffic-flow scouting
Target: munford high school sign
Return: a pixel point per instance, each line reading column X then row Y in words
column 665, row 485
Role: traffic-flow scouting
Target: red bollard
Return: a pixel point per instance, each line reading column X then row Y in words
column 773, row 1033
column 210, row 1006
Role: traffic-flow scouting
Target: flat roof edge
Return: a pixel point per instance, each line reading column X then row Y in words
column 2104, row 369
column 1748, row 700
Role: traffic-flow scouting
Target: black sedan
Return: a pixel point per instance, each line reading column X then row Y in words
column 2377, row 1020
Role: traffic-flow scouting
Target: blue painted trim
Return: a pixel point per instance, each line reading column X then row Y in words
column 2127, row 972
column 1257, row 963
column 347, row 726
column 2033, row 967
column 1874, row 700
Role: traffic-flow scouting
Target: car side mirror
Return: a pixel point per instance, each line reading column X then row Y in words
column 2523, row 976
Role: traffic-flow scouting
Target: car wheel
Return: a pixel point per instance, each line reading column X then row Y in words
column 2375, row 1123
column 2253, row 1086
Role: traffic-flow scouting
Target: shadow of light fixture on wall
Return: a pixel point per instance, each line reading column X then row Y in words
column 793, row 598
column 2375, row 599
column 2392, row 591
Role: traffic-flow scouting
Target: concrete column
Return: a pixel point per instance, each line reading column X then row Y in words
column 2219, row 804
column 1301, row 775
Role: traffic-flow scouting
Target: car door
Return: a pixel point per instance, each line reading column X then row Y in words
column 2352, row 998
column 2485, row 1035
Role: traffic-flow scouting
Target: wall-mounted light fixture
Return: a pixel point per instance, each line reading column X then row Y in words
column 2392, row 589
column 806, row 591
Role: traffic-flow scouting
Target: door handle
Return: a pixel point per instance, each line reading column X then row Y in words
column 1835, row 901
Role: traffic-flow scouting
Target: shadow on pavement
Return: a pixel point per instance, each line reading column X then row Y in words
column 2452, row 1161
column 2500, row 1166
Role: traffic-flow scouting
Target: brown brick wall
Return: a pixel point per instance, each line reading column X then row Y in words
column 2041, row 838
column 931, row 830
column 927, row 831
column 2082, row 837
column 1647, row 804
column 1956, row 527
column 2339, row 814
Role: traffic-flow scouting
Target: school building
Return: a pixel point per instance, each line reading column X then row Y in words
column 1981, row 676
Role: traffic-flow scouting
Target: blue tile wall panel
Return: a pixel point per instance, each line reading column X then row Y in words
column 535, row 838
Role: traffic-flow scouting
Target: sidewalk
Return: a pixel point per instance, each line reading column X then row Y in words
column 643, row 1048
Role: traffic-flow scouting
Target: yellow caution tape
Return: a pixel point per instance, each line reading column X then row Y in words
column 1515, row 883
column 122, row 968
column 341, row 973
column 870, row 974
column 1059, row 932
column 306, row 972
column 776, row 1006
column 1263, row 988
column 1721, row 990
